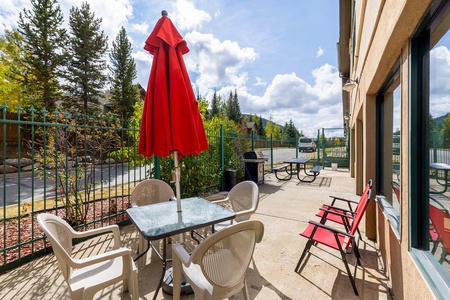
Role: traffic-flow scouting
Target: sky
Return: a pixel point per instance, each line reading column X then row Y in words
column 279, row 56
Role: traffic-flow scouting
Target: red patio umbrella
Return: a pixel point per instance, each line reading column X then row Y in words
column 171, row 121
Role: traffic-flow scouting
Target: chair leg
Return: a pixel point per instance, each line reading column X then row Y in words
column 141, row 248
column 176, row 277
column 357, row 254
column 245, row 291
column 134, row 286
column 307, row 247
column 350, row 275
column 125, row 287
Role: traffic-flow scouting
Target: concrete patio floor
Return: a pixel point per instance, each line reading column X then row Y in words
column 285, row 209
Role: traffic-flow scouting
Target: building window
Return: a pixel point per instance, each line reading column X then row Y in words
column 429, row 142
column 388, row 140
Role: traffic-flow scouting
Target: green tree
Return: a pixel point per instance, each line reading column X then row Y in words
column 261, row 131
column 216, row 105
column 446, row 128
column 44, row 39
column 232, row 108
column 124, row 94
column 87, row 48
column 12, row 71
column 276, row 135
column 290, row 132
column 269, row 129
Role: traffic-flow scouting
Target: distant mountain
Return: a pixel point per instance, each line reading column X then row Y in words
column 264, row 121
column 440, row 120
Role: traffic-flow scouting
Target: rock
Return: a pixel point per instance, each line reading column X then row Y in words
column 15, row 162
column 30, row 167
column 110, row 161
column 8, row 169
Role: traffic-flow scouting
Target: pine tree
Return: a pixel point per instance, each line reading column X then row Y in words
column 45, row 38
column 124, row 94
column 215, row 105
column 87, row 48
column 233, row 109
column 261, row 131
column 237, row 107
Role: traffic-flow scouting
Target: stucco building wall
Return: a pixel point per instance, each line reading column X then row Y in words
column 381, row 32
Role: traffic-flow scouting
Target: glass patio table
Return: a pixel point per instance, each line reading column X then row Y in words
column 161, row 221
column 440, row 167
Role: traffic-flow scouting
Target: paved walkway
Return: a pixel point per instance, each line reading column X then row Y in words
column 285, row 208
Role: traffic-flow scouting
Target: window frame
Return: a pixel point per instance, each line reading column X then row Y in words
column 419, row 158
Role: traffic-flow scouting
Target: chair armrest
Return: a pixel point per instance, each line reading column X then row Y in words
column 179, row 252
column 342, row 199
column 102, row 230
column 84, row 262
column 245, row 212
column 332, row 229
column 337, row 210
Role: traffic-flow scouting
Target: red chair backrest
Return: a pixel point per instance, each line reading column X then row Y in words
column 361, row 209
column 441, row 221
column 396, row 188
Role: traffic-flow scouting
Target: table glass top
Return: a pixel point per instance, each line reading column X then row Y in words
column 440, row 166
column 297, row 160
column 160, row 220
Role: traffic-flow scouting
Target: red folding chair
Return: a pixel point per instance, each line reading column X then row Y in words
column 343, row 215
column 440, row 228
column 341, row 240
column 396, row 188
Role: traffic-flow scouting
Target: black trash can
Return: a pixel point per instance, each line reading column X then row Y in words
column 230, row 179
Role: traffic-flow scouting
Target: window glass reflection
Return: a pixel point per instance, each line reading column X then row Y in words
column 439, row 137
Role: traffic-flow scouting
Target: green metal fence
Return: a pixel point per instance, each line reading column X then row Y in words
column 333, row 147
column 83, row 168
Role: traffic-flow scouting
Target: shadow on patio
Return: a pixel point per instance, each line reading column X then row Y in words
column 285, row 209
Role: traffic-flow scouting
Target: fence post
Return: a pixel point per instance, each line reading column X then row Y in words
column 222, row 158
column 296, row 145
column 253, row 140
column 271, row 151
column 324, row 154
column 318, row 147
column 434, row 147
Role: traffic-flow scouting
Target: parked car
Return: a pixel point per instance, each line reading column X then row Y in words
column 306, row 145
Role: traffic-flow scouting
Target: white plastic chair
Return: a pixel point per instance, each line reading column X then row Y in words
column 243, row 198
column 149, row 191
column 217, row 267
column 87, row 276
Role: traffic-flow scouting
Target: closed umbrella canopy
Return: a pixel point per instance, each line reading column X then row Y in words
column 171, row 121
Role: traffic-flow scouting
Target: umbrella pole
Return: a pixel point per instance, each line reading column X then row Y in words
column 176, row 174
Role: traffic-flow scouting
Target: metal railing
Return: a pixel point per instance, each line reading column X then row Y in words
column 83, row 168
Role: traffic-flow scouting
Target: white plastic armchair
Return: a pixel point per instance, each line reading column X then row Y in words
column 86, row 276
column 149, row 191
column 243, row 198
column 217, row 267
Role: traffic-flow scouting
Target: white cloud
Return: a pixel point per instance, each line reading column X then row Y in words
column 216, row 62
column 142, row 28
column 319, row 52
column 260, row 82
column 439, row 87
column 187, row 17
column 9, row 13
column 142, row 56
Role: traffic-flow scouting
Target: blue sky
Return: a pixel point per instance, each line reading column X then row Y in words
column 280, row 56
